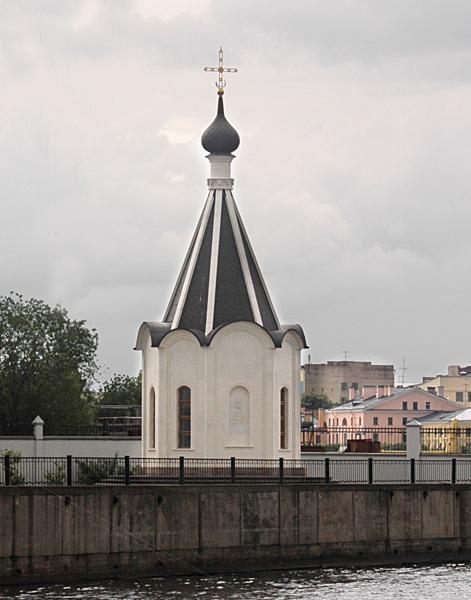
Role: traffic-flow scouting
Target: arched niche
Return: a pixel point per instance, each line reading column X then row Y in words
column 239, row 417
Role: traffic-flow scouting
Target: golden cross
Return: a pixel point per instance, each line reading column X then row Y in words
column 221, row 82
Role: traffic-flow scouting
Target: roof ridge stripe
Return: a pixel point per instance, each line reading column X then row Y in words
column 242, row 257
column 170, row 312
column 192, row 262
column 213, row 269
column 257, row 266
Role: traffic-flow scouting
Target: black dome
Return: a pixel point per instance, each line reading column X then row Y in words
column 220, row 137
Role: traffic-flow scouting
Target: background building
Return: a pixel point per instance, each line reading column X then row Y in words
column 455, row 386
column 386, row 407
column 337, row 378
column 446, row 432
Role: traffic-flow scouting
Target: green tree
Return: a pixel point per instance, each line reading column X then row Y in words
column 121, row 389
column 313, row 401
column 47, row 365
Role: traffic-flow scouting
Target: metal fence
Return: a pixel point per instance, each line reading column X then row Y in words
column 106, row 427
column 446, row 440
column 75, row 471
column 15, row 430
column 353, row 439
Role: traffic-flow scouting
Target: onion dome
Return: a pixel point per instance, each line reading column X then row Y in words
column 220, row 137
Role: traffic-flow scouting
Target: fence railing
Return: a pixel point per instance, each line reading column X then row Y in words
column 353, row 439
column 76, row 471
column 111, row 427
column 105, row 428
column 446, row 440
column 15, row 430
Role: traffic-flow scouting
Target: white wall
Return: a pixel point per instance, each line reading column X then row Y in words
column 83, row 447
column 241, row 355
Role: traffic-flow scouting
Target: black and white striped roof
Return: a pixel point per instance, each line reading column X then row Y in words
column 220, row 281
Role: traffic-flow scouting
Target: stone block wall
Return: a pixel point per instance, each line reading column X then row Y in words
column 72, row 533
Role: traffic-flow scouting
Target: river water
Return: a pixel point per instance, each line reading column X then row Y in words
column 395, row 583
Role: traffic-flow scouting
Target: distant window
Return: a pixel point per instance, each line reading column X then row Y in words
column 344, row 387
column 459, row 396
column 404, row 420
column 337, row 422
column 360, row 421
column 390, row 420
column 355, row 386
column 415, row 406
column 427, row 406
column 344, row 422
column 469, row 396
column 404, row 406
column 432, row 390
column 375, row 420
column 184, row 417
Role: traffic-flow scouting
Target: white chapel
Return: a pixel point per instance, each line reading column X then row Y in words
column 220, row 374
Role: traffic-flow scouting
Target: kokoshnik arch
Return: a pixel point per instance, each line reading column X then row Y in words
column 220, row 374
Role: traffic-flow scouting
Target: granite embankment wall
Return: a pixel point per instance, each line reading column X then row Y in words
column 62, row 533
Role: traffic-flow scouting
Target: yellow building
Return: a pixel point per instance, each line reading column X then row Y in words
column 456, row 386
column 447, row 433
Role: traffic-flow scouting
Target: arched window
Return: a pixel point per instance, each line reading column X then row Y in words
column 184, row 417
column 152, row 418
column 344, row 422
column 284, row 418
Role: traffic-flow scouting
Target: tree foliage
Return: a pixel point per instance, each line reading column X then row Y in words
column 313, row 401
column 122, row 389
column 47, row 365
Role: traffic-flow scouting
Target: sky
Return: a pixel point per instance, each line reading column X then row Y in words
column 353, row 174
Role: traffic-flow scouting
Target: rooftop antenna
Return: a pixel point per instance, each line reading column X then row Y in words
column 345, row 353
column 404, row 369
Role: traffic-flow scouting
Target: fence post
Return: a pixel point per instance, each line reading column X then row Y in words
column 413, row 441
column 453, row 470
column 7, row 467
column 181, row 479
column 38, row 436
column 281, row 470
column 327, row 470
column 126, row 470
column 233, row 472
column 412, row 470
column 370, row 470
column 68, row 470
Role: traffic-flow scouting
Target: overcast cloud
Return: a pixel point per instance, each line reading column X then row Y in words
column 353, row 175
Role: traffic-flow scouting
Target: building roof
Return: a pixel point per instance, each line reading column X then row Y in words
column 220, row 250
column 372, row 402
column 220, row 281
column 446, row 417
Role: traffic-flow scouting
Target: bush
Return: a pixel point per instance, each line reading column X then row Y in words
column 96, row 470
column 15, row 458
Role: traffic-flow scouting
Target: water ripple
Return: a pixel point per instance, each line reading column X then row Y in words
column 445, row 582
